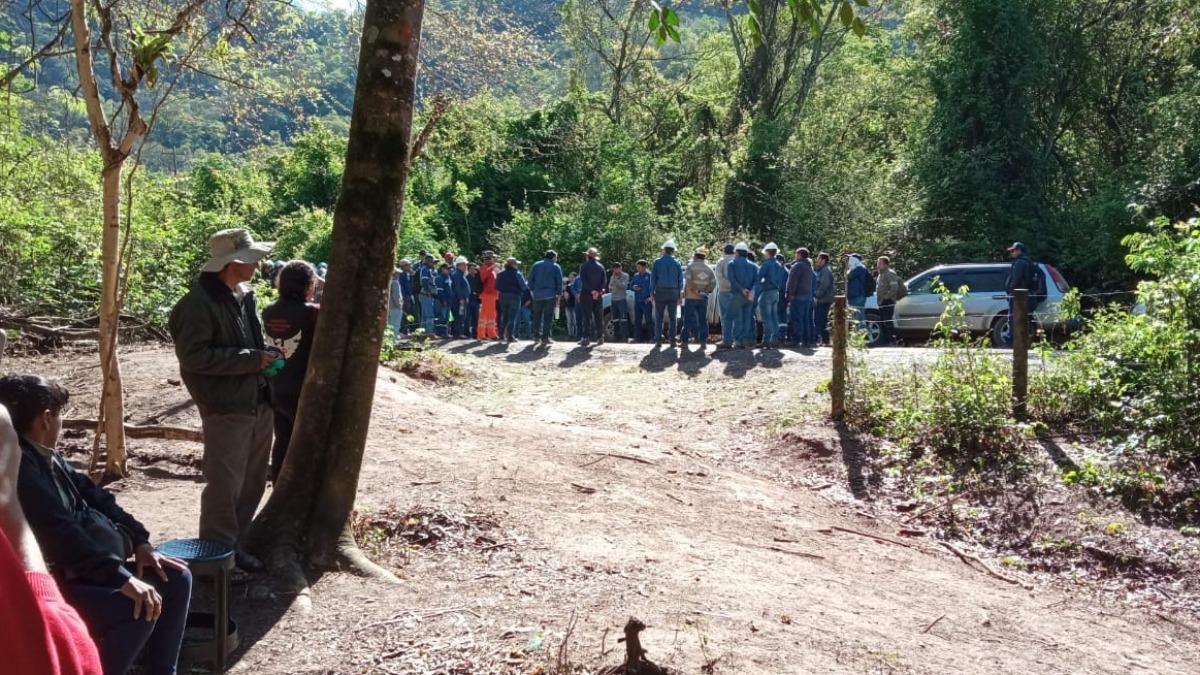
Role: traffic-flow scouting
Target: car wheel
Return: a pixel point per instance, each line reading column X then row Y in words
column 1001, row 332
column 608, row 325
column 874, row 328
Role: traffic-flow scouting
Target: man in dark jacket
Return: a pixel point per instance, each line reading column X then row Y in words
column 1023, row 275
column 594, row 284
column 823, row 296
column 460, row 291
column 130, row 609
column 475, row 302
column 219, row 344
column 800, row 295
column 511, row 286
column 546, row 287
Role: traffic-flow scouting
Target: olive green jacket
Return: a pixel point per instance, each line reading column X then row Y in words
column 218, row 341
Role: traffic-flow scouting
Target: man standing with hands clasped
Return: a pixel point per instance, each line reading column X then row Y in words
column 593, row 284
column 224, row 362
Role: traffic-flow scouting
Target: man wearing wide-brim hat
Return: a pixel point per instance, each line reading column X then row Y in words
column 222, row 356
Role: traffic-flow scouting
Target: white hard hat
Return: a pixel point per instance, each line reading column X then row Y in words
column 742, row 247
column 460, row 260
column 670, row 243
column 770, row 247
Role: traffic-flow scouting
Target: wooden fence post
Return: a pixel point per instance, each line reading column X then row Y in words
column 1019, row 327
column 837, row 385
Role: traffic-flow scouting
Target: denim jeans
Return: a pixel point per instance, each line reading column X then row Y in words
column 744, row 328
column 768, row 307
column 510, row 303
column 1032, row 303
column 643, row 316
column 472, row 319
column 120, row 638
column 427, row 314
column 543, row 318
column 458, row 327
column 396, row 322
column 524, row 329
column 441, row 318
column 782, row 334
column 802, row 320
column 695, row 321
column 858, row 307
column 665, row 302
column 821, row 323
column 728, row 332
column 620, row 319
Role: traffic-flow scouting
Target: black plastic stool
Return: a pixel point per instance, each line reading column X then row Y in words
column 207, row 558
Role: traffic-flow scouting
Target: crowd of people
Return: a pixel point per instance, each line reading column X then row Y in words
column 765, row 304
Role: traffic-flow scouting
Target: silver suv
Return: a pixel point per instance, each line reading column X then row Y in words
column 986, row 303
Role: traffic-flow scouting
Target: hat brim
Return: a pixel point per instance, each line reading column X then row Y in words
column 254, row 254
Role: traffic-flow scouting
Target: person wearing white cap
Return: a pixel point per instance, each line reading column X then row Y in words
column 222, row 359
column 771, row 280
column 460, row 296
column 741, row 274
column 699, row 281
column 666, row 290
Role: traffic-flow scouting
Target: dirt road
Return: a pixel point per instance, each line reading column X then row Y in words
column 623, row 482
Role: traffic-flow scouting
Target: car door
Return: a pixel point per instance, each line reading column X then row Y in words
column 986, row 297
column 920, row 310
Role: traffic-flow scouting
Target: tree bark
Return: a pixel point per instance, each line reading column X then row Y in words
column 307, row 517
column 112, row 404
column 112, row 400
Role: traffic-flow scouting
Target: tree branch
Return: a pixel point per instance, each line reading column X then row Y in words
column 47, row 50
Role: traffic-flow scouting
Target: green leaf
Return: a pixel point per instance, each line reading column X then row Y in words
column 859, row 28
column 670, row 17
column 755, row 8
column 673, row 33
column 861, row 3
column 654, row 21
column 806, row 13
column 794, row 6
column 846, row 14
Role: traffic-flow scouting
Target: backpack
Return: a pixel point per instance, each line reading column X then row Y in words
column 871, row 285
column 1038, row 285
column 901, row 289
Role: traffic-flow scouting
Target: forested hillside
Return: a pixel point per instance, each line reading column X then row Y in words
column 944, row 131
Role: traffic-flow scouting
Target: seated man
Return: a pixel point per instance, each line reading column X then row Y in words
column 87, row 540
column 40, row 634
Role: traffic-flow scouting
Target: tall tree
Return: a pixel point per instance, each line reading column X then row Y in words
column 116, row 137
column 307, row 517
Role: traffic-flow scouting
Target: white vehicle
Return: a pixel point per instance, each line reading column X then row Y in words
column 986, row 303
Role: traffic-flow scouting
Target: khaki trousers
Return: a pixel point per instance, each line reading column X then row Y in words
column 237, row 449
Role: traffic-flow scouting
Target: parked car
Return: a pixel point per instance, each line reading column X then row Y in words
column 986, row 303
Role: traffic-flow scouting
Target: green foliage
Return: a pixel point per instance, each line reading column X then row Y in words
column 958, row 410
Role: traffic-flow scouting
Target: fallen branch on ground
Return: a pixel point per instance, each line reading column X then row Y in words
column 605, row 455
column 779, row 549
column 968, row 558
column 134, row 431
column 936, row 507
column 930, row 626
column 876, row 538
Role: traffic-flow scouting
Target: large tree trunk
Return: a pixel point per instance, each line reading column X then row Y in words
column 307, row 515
column 112, row 403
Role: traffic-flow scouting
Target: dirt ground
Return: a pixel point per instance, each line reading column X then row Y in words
column 592, row 485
